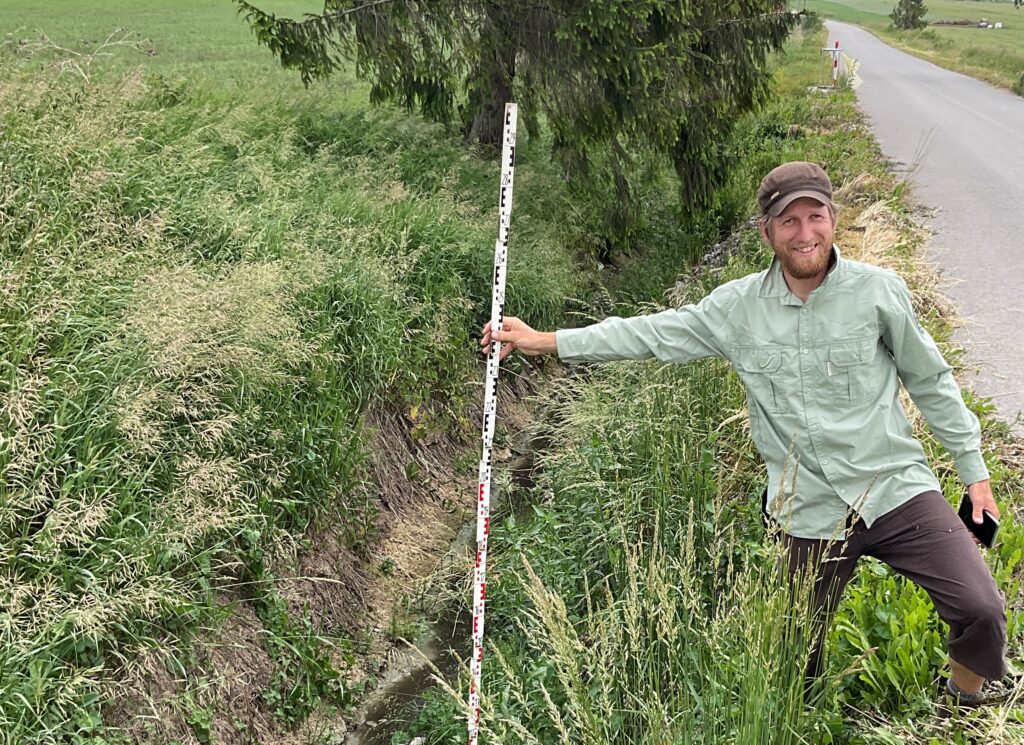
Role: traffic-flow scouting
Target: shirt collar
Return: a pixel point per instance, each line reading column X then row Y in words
column 773, row 284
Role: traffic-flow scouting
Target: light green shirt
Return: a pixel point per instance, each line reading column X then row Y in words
column 821, row 376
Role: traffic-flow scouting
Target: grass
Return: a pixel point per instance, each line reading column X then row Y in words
column 212, row 277
column 201, row 40
column 638, row 599
column 996, row 56
column 641, row 614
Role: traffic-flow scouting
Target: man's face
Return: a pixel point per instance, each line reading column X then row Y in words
column 802, row 237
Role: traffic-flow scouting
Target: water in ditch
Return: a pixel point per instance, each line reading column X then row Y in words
column 395, row 703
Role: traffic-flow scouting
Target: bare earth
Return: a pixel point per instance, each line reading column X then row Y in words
column 962, row 143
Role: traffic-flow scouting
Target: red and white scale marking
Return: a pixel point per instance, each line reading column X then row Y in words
column 483, row 513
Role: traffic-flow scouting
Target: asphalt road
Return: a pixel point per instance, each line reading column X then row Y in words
column 961, row 142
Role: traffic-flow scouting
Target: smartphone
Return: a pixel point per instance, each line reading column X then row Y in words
column 986, row 532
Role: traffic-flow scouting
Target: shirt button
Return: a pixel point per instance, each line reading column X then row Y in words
column 842, row 491
column 805, row 351
column 824, row 462
column 814, row 428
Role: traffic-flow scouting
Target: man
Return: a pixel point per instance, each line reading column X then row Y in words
column 821, row 344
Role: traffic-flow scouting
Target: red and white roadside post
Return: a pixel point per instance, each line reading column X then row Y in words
column 483, row 513
column 836, row 54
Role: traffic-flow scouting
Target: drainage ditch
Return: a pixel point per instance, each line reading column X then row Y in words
column 445, row 646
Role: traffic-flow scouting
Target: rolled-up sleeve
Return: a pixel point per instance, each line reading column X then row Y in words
column 930, row 382
column 678, row 335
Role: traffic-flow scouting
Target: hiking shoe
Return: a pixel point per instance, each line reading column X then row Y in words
column 952, row 698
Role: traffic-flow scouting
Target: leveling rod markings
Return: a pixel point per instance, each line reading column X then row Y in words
column 483, row 512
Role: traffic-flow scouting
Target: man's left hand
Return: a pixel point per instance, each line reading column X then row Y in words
column 982, row 500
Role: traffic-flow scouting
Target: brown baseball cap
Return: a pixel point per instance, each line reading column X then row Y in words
column 791, row 181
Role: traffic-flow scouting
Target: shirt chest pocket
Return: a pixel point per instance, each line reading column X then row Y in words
column 760, row 369
column 852, row 370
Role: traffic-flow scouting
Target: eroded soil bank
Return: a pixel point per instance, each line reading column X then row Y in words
column 385, row 606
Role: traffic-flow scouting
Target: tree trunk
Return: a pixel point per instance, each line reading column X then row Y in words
column 492, row 88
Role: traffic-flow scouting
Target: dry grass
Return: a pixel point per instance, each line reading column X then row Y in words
column 198, row 313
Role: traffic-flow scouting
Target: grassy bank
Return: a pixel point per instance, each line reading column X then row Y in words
column 638, row 600
column 995, row 55
column 202, row 302
column 214, row 283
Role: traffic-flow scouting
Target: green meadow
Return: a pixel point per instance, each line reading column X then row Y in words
column 198, row 38
column 995, row 55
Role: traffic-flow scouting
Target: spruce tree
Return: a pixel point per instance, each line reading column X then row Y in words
column 613, row 79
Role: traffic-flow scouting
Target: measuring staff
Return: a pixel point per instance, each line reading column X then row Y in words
column 483, row 512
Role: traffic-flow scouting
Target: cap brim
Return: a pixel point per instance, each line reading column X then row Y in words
column 775, row 209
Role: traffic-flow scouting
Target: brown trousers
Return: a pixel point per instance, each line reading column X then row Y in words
column 923, row 540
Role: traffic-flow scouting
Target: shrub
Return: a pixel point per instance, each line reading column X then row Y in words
column 909, row 14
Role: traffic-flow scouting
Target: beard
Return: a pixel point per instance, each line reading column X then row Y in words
column 799, row 266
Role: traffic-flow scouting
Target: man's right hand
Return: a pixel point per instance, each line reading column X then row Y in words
column 515, row 334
